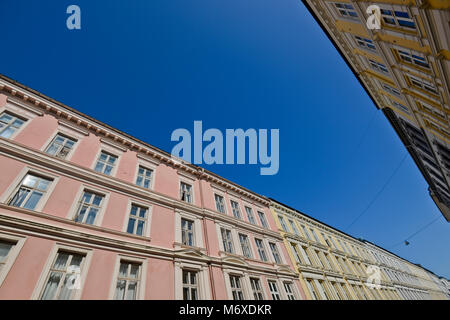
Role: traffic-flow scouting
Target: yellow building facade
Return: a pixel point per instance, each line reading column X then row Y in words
column 404, row 66
column 335, row 266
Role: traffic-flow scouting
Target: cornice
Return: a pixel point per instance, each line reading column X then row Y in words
column 38, row 102
column 43, row 161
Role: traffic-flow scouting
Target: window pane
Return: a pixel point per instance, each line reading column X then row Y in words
column 61, row 261
column 131, row 293
column 120, row 290
column 5, row 247
column 140, row 228
column 19, row 197
column 51, row 286
column 91, row 217
column 131, row 223
column 33, row 200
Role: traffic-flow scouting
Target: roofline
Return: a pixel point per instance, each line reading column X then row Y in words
column 340, row 52
column 308, row 216
column 165, row 153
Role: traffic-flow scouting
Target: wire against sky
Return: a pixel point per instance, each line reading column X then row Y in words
column 415, row 233
column 379, row 192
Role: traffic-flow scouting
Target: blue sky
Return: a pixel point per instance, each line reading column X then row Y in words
column 150, row 67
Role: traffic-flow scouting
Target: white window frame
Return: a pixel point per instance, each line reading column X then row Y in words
column 189, row 183
column 147, row 228
column 17, row 182
column 395, row 18
column 204, row 289
column 18, row 242
column 263, row 221
column 144, row 177
column 16, row 116
column 293, row 225
column 405, row 54
column 291, row 286
column 249, row 246
column 244, row 282
column 278, row 252
column 75, row 205
column 283, row 223
column 364, row 43
column 264, row 249
column 250, row 215
column 233, row 211
column 198, row 231
column 222, row 197
column 58, row 247
column 228, row 231
column 142, row 281
column 109, row 153
column 424, row 84
column 271, row 291
column 346, row 10
column 53, row 139
column 378, row 66
column 256, row 291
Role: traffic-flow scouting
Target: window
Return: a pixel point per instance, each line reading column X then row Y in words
column 31, row 190
column 322, row 290
column 274, row 290
column 399, row 105
column 227, row 240
column 289, row 290
column 390, row 89
column 413, row 58
column 378, row 66
column 89, row 207
column 423, row 84
column 334, row 243
column 187, row 232
column 235, row 209
column 128, row 281
column 9, row 124
column 236, row 289
column 296, row 253
column 61, row 280
column 138, row 220
column 261, row 251
column 185, row 192
column 190, row 285
column 325, row 238
column 105, row 163
column 5, row 249
column 60, row 146
column 262, row 219
column 365, row 43
column 397, row 18
column 312, row 290
column 256, row 288
column 250, row 216
column 245, row 245
column 314, row 234
column 275, row 253
column 144, row 178
column 305, row 231
column 346, row 10
column 293, row 226
column 283, row 223
column 220, row 204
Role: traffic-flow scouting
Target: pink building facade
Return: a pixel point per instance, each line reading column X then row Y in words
column 88, row 212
